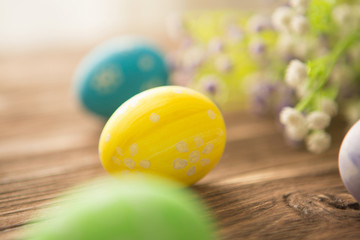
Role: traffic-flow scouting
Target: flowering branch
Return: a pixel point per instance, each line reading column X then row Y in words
column 321, row 69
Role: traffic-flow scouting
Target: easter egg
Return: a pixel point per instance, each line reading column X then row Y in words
column 170, row 131
column 117, row 70
column 349, row 161
column 129, row 208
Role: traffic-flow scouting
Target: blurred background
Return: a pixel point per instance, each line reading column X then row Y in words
column 39, row 25
column 42, row 43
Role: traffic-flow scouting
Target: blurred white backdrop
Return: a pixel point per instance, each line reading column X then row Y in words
column 39, row 24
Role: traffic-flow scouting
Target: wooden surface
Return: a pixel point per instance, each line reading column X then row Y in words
column 261, row 189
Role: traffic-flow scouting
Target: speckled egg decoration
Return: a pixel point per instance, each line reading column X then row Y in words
column 171, row 131
column 349, row 161
column 129, row 209
column 117, row 70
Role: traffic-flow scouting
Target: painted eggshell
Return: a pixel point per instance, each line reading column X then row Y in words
column 349, row 161
column 116, row 71
column 128, row 208
column 170, row 131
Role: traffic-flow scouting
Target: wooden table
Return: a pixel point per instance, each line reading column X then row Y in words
column 261, row 189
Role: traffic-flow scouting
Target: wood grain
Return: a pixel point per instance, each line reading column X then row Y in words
column 261, row 189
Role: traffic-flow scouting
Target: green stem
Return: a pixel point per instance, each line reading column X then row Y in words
column 330, row 61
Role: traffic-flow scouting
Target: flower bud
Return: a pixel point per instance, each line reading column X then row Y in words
column 299, row 24
column 296, row 73
column 281, row 18
column 291, row 116
column 318, row 120
column 318, row 142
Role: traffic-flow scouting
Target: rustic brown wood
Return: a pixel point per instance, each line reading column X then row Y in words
column 261, row 189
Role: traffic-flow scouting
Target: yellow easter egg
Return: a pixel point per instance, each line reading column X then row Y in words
column 170, row 131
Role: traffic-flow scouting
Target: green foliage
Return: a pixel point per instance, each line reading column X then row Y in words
column 319, row 71
column 319, row 14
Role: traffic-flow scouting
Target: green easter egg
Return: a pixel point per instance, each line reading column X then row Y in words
column 129, row 209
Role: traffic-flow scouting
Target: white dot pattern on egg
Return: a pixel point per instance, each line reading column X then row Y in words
column 154, row 117
column 151, row 137
column 204, row 162
column 191, row 171
column 119, row 151
column 182, row 146
column 116, row 160
column 209, row 147
column 146, row 63
column 211, row 114
column 107, row 80
column 133, row 149
column 130, row 163
column 179, row 163
column 145, row 163
column 194, row 156
column 198, row 141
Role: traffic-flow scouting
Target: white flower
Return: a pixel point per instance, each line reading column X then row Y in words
column 329, row 106
column 210, row 84
column 318, row 120
column 257, row 48
column 296, row 73
column 291, row 117
column 281, row 18
column 223, row 63
column 318, row 142
column 193, row 57
column 299, row 5
column 234, row 33
column 216, row 45
column 296, row 132
column 295, row 123
column 257, row 23
column 299, row 24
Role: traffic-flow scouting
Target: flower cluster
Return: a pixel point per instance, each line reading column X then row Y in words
column 316, row 82
column 299, row 63
column 307, row 126
column 291, row 20
column 218, row 51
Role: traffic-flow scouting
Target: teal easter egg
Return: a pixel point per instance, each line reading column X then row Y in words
column 132, row 208
column 117, row 70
